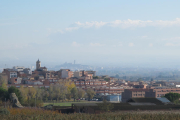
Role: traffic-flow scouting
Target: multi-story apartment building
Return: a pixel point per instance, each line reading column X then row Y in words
column 77, row 74
column 100, row 86
column 83, row 74
column 161, row 91
column 66, row 73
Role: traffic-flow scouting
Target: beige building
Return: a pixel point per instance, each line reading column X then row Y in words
column 66, row 73
column 78, row 74
column 133, row 93
column 83, row 75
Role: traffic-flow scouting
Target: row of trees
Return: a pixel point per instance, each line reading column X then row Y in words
column 64, row 91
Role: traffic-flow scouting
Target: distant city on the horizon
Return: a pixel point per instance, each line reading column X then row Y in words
column 127, row 73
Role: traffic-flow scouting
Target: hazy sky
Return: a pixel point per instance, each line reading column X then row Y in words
column 105, row 32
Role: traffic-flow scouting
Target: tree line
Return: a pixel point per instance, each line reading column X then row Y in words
column 61, row 91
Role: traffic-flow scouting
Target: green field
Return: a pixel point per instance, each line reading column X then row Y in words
column 65, row 103
column 59, row 104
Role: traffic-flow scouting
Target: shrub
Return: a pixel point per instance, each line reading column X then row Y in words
column 106, row 106
column 4, row 111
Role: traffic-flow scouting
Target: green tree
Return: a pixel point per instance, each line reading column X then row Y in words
column 4, row 86
column 95, row 77
column 74, row 93
column 15, row 90
column 24, row 93
column 51, row 93
column 3, row 94
column 46, row 95
column 81, row 93
column 32, row 92
column 57, row 92
column 63, row 90
column 90, row 93
column 68, row 96
column 40, row 93
column 2, row 80
column 172, row 96
column 107, row 79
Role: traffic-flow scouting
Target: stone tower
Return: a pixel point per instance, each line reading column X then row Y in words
column 38, row 64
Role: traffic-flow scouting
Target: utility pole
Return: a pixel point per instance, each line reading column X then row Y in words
column 35, row 102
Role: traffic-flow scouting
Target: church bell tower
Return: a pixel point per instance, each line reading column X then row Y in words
column 38, row 64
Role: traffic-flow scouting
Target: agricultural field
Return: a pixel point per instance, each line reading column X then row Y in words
column 40, row 114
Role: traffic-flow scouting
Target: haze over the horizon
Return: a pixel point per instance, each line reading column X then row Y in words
column 92, row 32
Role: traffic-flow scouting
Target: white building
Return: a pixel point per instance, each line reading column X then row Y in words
column 18, row 68
column 13, row 74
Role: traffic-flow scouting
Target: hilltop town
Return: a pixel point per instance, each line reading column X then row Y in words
column 101, row 85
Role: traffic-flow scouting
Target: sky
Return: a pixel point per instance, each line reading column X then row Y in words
column 93, row 32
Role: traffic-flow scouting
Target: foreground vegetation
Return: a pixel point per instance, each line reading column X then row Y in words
column 40, row 114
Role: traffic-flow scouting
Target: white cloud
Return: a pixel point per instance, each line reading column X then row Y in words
column 50, row 31
column 131, row 44
column 167, row 23
column 75, row 44
column 129, row 23
column 71, row 28
column 150, row 45
column 173, row 39
column 90, row 24
column 96, row 44
column 120, row 24
column 172, row 44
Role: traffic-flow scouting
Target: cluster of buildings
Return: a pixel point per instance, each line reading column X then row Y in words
column 102, row 85
column 41, row 77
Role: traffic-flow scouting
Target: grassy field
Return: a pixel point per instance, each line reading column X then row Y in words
column 67, row 103
column 40, row 114
column 59, row 104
